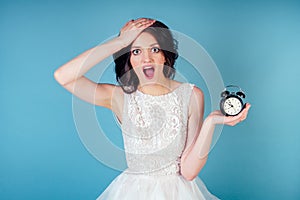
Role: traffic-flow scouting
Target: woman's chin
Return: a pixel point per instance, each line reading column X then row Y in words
column 146, row 80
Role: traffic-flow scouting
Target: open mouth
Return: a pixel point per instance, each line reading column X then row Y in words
column 149, row 71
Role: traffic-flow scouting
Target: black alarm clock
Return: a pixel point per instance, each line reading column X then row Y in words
column 232, row 103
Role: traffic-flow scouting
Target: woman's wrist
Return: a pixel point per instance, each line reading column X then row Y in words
column 122, row 42
column 210, row 120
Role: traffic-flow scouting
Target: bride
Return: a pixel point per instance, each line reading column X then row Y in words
column 166, row 139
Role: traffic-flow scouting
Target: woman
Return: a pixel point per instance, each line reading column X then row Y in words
column 165, row 137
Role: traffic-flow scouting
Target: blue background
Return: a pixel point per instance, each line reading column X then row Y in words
column 254, row 43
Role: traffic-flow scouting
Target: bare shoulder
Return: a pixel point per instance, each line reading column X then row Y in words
column 197, row 93
column 197, row 101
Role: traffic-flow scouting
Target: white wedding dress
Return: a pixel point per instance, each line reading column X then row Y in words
column 154, row 130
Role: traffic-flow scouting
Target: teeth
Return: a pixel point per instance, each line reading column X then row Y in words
column 148, row 67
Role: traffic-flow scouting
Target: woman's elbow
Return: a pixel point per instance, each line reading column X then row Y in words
column 189, row 173
column 58, row 77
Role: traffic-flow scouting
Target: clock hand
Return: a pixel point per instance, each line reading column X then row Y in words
column 234, row 109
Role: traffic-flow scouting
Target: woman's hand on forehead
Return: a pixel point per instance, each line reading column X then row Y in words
column 131, row 30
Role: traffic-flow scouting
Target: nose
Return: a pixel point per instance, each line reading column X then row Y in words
column 146, row 55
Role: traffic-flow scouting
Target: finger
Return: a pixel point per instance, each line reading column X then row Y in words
column 245, row 112
column 127, row 25
column 148, row 23
column 130, row 21
column 132, row 24
column 216, row 112
column 138, row 21
column 233, row 119
column 248, row 106
column 143, row 22
column 231, row 123
column 244, row 117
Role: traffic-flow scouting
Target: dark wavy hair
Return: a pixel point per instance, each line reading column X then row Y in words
column 126, row 77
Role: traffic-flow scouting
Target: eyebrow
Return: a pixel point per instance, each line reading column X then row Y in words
column 151, row 45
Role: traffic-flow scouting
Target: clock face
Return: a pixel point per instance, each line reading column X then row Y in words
column 232, row 106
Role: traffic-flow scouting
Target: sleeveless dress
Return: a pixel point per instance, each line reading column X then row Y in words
column 154, row 130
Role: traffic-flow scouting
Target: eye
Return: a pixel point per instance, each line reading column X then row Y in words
column 136, row 51
column 155, row 49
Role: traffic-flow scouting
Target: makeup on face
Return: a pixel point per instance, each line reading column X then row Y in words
column 146, row 55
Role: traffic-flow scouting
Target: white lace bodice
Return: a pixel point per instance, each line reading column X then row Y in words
column 154, row 130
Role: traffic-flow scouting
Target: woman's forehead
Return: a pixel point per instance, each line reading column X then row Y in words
column 144, row 40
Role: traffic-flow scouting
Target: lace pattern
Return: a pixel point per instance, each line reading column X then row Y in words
column 154, row 130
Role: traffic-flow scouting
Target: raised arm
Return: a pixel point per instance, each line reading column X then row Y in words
column 200, row 134
column 71, row 75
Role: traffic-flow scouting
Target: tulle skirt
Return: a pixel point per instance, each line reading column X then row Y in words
column 167, row 187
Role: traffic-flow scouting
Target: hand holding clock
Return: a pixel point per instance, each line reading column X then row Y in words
column 217, row 117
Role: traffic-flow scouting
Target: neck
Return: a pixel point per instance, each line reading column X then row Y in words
column 156, row 88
